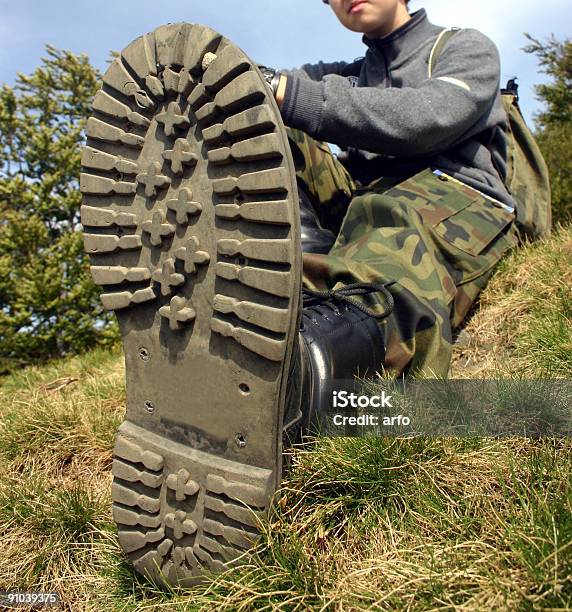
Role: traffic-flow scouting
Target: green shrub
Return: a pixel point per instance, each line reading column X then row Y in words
column 49, row 306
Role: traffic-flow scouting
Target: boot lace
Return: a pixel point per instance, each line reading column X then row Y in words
column 331, row 298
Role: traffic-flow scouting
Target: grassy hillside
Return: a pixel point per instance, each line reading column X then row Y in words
column 384, row 524
column 523, row 327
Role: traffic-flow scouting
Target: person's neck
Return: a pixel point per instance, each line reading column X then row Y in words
column 400, row 17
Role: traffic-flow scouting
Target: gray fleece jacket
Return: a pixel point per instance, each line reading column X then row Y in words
column 398, row 121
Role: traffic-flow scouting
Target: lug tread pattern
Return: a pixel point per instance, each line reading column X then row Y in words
column 224, row 87
column 98, row 160
column 178, row 523
column 123, row 299
column 266, row 146
column 270, row 281
column 115, row 275
column 110, row 106
column 275, row 212
column 101, row 185
column 103, row 243
column 252, row 121
column 189, row 214
column 106, row 132
column 104, row 217
column 276, row 251
column 269, row 181
column 267, row 317
column 256, row 342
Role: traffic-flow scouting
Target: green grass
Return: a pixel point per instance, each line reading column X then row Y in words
column 524, row 325
column 44, row 422
column 359, row 524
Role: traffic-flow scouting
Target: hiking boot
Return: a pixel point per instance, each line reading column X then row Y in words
column 314, row 237
column 190, row 217
column 340, row 339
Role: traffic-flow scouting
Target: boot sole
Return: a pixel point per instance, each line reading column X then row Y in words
column 190, row 218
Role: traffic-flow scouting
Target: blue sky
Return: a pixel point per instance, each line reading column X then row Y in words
column 280, row 33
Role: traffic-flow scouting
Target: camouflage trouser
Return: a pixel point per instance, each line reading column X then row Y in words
column 437, row 238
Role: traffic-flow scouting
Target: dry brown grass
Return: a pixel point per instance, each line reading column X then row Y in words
column 509, row 334
column 360, row 524
column 56, row 428
column 446, row 537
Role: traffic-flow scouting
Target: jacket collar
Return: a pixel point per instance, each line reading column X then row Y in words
column 406, row 39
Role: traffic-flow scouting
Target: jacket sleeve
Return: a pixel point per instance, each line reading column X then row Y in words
column 402, row 122
column 316, row 72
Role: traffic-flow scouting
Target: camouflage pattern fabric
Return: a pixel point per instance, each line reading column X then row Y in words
column 437, row 238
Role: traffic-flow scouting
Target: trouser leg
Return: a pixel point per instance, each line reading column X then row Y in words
column 325, row 180
column 437, row 240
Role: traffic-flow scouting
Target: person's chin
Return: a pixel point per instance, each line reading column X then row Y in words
column 355, row 27
column 358, row 25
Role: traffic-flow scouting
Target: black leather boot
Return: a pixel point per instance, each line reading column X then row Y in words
column 315, row 238
column 339, row 339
